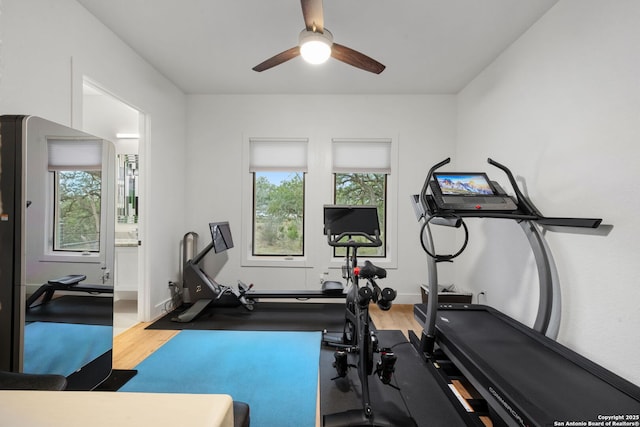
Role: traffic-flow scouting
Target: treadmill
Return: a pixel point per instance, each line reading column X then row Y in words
column 523, row 374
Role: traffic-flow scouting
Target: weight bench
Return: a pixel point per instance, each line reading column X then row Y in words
column 68, row 283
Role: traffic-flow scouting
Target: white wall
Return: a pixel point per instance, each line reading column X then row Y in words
column 561, row 107
column 46, row 48
column 423, row 126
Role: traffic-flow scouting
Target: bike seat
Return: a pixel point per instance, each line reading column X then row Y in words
column 369, row 271
column 332, row 287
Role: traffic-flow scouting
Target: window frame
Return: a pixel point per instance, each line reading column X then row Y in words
column 390, row 261
column 319, row 184
column 56, row 214
column 107, row 187
column 383, row 224
column 253, row 217
column 247, row 208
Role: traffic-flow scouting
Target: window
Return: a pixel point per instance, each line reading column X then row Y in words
column 360, row 170
column 278, row 220
column 363, row 189
column 76, row 167
column 278, row 168
column 77, row 211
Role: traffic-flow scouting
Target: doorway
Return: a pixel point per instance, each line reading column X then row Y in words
column 115, row 120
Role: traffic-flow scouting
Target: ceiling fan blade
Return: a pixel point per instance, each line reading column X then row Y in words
column 355, row 58
column 278, row 59
column 313, row 15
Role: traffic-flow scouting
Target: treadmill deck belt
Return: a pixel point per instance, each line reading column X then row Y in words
column 533, row 378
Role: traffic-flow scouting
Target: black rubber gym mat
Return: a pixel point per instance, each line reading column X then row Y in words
column 85, row 309
column 420, row 401
column 266, row 316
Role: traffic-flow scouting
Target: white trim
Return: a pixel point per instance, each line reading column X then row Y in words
column 390, row 261
column 246, row 234
column 107, row 217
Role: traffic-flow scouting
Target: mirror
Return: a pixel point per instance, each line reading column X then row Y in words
column 64, row 301
column 127, row 188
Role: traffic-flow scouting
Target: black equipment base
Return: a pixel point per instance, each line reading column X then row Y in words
column 355, row 418
column 116, row 379
column 87, row 309
column 266, row 316
column 92, row 374
column 527, row 378
column 419, row 402
column 70, row 283
column 229, row 300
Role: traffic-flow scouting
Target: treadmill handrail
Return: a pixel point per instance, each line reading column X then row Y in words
column 521, row 200
column 548, row 317
column 425, row 186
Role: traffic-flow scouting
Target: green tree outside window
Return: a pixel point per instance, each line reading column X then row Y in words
column 278, row 221
column 363, row 189
column 77, row 211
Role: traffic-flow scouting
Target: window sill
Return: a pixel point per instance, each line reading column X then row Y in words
column 276, row 261
column 92, row 258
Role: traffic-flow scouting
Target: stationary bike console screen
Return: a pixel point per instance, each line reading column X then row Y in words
column 221, row 236
column 469, row 191
column 351, row 219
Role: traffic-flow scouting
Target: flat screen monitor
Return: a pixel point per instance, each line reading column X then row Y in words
column 351, row 219
column 464, row 184
column 221, row 236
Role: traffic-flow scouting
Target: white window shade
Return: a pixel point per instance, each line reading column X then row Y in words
column 361, row 155
column 74, row 154
column 278, row 155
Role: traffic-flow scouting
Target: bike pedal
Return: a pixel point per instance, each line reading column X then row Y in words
column 341, row 363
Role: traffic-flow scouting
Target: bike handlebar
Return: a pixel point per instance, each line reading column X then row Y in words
column 373, row 241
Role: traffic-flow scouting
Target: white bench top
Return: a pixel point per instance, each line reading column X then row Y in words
column 108, row 409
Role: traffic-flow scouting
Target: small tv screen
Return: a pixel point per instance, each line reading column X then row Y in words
column 221, row 236
column 463, row 184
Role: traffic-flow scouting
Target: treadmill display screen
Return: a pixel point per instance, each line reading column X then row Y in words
column 463, row 184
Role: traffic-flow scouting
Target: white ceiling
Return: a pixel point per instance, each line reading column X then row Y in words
column 210, row 46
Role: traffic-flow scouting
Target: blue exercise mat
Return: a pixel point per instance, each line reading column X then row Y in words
column 276, row 373
column 63, row 348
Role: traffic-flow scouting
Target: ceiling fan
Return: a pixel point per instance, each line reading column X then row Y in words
column 316, row 44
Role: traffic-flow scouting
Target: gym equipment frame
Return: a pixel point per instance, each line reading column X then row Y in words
column 525, row 376
column 342, row 224
column 204, row 291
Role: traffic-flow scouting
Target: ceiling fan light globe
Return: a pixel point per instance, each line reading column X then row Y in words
column 315, row 48
column 315, row 52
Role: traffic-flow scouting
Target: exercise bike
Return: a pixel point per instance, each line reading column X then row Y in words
column 343, row 224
